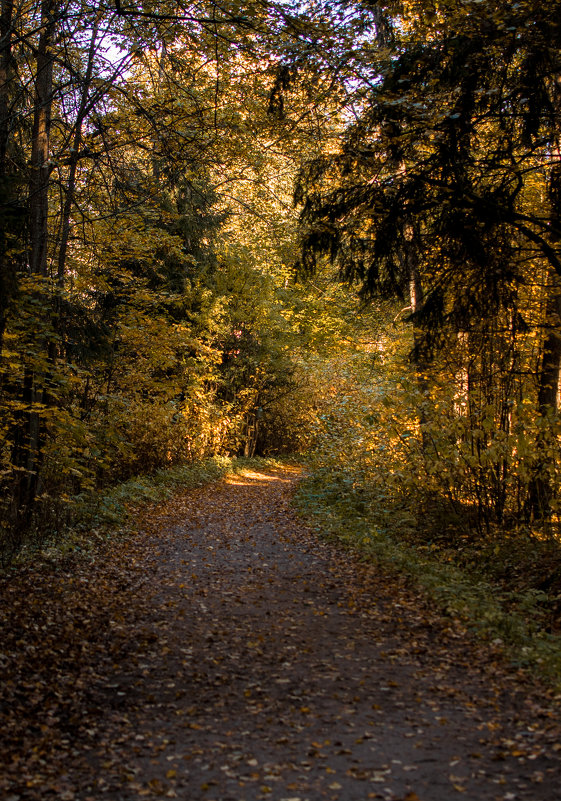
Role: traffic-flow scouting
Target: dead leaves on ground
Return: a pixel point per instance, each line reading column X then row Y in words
column 71, row 627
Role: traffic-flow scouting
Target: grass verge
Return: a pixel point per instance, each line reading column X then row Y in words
column 379, row 534
column 100, row 516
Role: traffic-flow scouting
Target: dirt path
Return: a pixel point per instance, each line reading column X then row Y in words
column 235, row 658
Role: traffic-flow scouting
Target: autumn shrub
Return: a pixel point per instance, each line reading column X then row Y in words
column 148, row 435
column 289, row 421
column 112, row 511
column 399, row 469
column 517, row 620
column 388, row 429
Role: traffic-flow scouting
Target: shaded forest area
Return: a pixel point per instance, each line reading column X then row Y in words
column 148, row 315
column 265, row 228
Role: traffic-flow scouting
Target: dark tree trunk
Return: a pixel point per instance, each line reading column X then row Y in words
column 27, row 449
column 40, row 167
column 74, row 158
column 6, row 13
column 6, row 270
column 540, row 491
column 548, row 389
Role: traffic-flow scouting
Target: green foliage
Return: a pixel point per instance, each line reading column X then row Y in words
column 421, row 498
column 114, row 509
column 444, row 192
column 161, row 326
column 165, row 325
column 380, row 533
column 112, row 513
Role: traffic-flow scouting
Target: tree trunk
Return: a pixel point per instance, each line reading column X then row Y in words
column 416, row 302
column 540, row 491
column 6, row 13
column 74, row 158
column 6, row 277
column 40, row 142
column 29, row 433
column 548, row 387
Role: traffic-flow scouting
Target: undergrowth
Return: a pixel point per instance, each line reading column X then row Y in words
column 100, row 516
column 478, row 591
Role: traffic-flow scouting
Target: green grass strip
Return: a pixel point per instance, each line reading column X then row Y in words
column 112, row 512
column 511, row 618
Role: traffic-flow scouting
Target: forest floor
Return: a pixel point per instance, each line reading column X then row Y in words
column 223, row 652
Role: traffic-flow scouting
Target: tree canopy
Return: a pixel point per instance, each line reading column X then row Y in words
column 185, row 191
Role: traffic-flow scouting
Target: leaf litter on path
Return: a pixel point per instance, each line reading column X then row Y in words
column 224, row 653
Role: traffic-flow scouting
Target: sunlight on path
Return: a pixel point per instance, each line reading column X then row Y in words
column 252, row 476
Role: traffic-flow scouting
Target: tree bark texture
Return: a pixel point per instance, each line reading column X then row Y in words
column 40, row 143
column 6, row 279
